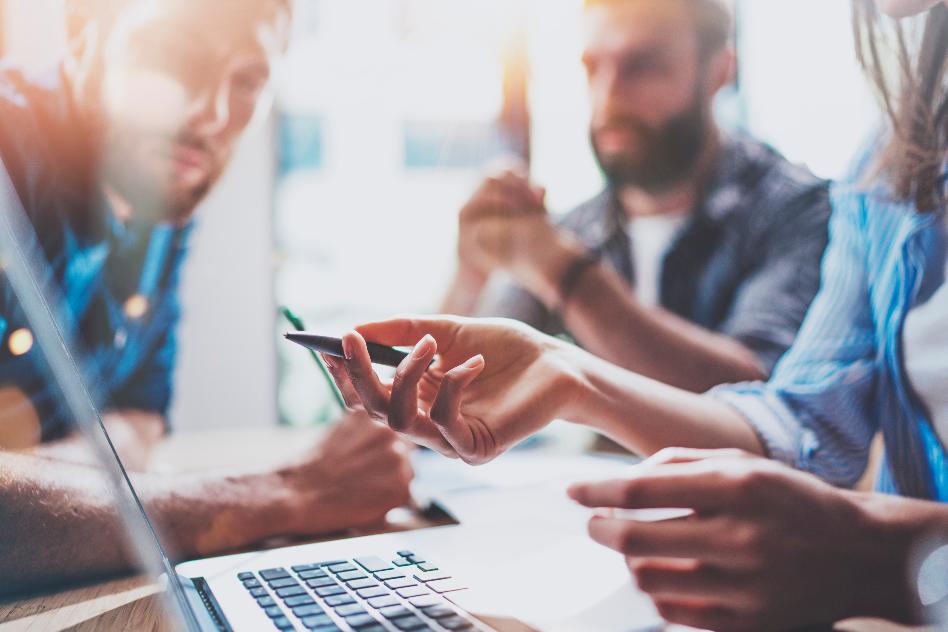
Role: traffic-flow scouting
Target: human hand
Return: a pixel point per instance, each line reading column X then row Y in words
column 494, row 382
column 505, row 225
column 767, row 547
column 359, row 472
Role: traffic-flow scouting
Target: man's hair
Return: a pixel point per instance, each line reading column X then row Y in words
column 713, row 19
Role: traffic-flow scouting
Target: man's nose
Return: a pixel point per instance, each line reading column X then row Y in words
column 211, row 113
column 607, row 92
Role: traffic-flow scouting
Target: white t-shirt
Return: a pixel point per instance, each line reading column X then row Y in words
column 925, row 339
column 650, row 238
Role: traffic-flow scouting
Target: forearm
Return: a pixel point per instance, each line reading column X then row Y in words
column 464, row 292
column 60, row 522
column 606, row 318
column 603, row 314
column 645, row 415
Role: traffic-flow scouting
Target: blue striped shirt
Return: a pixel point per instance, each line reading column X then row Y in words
column 844, row 380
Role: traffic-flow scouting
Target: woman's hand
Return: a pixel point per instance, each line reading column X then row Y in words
column 767, row 547
column 493, row 382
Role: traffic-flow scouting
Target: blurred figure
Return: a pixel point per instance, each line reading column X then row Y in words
column 110, row 155
column 697, row 263
column 769, row 543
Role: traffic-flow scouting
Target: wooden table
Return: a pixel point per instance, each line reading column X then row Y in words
column 132, row 603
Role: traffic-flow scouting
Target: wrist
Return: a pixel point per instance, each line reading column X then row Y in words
column 543, row 270
column 889, row 528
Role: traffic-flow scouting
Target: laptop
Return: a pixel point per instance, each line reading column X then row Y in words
column 519, row 559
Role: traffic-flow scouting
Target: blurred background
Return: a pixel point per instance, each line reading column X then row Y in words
column 388, row 113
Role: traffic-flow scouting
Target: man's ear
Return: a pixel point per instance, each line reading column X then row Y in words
column 82, row 35
column 722, row 69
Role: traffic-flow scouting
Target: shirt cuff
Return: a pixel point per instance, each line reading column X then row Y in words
column 784, row 438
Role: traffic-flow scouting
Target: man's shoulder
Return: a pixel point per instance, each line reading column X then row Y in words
column 762, row 166
column 757, row 183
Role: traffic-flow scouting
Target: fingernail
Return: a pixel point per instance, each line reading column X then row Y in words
column 474, row 362
column 347, row 347
column 423, row 346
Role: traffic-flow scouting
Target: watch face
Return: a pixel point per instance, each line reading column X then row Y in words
column 932, row 580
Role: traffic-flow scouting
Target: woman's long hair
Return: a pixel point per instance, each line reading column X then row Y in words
column 905, row 60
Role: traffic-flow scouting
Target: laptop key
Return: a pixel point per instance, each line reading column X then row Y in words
column 273, row 612
column 252, row 583
column 282, row 623
column 369, row 593
column 313, row 574
column 401, row 582
column 316, row 621
column 300, row 600
column 350, row 610
column 329, row 591
column 361, row 621
column 401, row 562
column 440, row 611
column 394, row 573
column 283, row 582
column 342, row 568
column 446, row 586
column 308, row 611
column 455, row 623
column 396, row 612
column 266, row 602
column 290, row 591
column 378, row 627
column 339, row 600
column 405, row 553
column 431, row 576
column 410, row 623
column 274, row 573
column 362, row 583
column 373, row 564
column 329, row 563
column 383, row 602
column 321, row 582
column 245, row 575
column 416, row 559
column 350, row 575
column 428, row 566
column 426, row 601
column 258, row 592
column 414, row 591
column 299, row 568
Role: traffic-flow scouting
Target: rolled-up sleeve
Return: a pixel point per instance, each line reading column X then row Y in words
column 817, row 411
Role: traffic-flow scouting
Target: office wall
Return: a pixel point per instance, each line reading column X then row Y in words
column 226, row 370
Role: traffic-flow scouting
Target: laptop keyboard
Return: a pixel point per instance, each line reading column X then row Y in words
column 365, row 594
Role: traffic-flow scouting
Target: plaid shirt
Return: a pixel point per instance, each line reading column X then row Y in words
column 92, row 261
column 746, row 264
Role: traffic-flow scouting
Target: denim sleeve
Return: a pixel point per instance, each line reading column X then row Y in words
column 816, row 412
column 149, row 388
column 772, row 301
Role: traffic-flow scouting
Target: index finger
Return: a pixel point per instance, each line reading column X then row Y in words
column 679, row 485
column 408, row 331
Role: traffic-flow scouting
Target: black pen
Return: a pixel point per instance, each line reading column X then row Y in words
column 379, row 354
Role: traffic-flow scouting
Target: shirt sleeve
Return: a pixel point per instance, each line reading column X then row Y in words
column 772, row 301
column 817, row 411
column 149, row 388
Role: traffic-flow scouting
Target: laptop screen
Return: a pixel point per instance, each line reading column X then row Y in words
column 58, row 458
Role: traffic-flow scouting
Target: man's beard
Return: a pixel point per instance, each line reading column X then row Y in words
column 666, row 156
